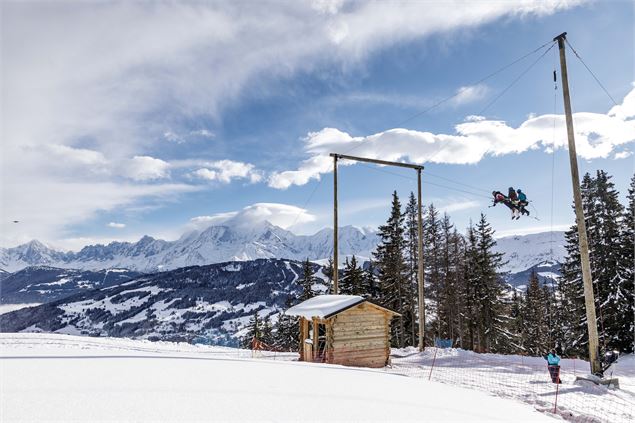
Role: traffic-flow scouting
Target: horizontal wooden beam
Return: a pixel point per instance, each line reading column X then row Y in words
column 375, row 161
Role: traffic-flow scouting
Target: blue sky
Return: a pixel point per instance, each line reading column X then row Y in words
column 124, row 119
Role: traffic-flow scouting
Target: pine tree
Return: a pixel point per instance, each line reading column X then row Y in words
column 352, row 282
column 535, row 339
column 328, row 272
column 626, row 329
column 287, row 329
column 307, row 281
column 370, row 284
column 412, row 263
column 494, row 322
column 459, row 289
column 254, row 332
column 611, row 271
column 392, row 269
column 571, row 312
column 266, row 332
column 447, row 294
column 517, row 315
column 432, row 263
column 472, row 293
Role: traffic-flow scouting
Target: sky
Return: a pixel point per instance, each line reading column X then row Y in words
column 120, row 119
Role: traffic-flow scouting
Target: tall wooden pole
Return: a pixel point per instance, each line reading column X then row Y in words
column 579, row 215
column 422, row 305
column 335, row 258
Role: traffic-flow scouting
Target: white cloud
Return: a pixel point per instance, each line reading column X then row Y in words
column 458, row 206
column 203, row 133
column 146, row 168
column 282, row 215
column 597, row 135
column 116, row 225
column 45, row 210
column 623, row 155
column 470, row 94
column 226, row 170
column 173, row 137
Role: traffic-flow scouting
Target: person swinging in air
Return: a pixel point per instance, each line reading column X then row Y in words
column 499, row 197
column 522, row 202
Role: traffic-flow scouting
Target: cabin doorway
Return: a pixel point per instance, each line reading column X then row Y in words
column 320, row 352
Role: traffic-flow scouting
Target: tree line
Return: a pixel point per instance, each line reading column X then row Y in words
column 467, row 299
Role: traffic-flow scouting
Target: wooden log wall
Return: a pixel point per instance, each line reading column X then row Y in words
column 360, row 337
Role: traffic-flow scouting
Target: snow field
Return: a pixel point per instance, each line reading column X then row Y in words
column 69, row 378
column 526, row 379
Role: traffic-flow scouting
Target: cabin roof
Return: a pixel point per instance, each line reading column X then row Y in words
column 325, row 306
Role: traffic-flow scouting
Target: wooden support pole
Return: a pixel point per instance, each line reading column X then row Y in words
column 315, row 339
column 420, row 278
column 335, row 231
column 589, row 300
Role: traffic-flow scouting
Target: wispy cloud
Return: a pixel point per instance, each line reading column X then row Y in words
column 116, row 225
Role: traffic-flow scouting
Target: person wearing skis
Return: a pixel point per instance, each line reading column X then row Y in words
column 522, row 202
column 553, row 365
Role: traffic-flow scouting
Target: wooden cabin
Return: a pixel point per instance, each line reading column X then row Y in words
column 344, row 329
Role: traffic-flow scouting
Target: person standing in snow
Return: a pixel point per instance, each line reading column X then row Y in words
column 553, row 364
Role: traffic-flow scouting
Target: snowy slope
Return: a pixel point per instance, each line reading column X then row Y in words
column 41, row 284
column 523, row 252
column 64, row 378
column 209, row 304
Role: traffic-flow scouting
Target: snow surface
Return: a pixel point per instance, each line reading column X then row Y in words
column 526, row 379
column 323, row 305
column 49, row 377
column 7, row 308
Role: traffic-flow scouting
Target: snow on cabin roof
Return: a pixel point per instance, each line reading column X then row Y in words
column 324, row 306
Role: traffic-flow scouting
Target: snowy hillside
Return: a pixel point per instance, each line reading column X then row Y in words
column 524, row 251
column 215, row 244
column 41, row 284
column 66, row 378
column 210, row 304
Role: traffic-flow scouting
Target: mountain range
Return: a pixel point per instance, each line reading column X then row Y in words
column 244, row 242
column 215, row 244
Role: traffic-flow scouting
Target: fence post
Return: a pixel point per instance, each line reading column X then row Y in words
column 555, row 404
column 433, row 360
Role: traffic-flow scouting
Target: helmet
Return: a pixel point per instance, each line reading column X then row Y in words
column 511, row 188
column 518, row 190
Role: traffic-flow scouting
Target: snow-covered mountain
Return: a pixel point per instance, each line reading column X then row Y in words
column 42, row 284
column 236, row 241
column 525, row 251
column 195, row 304
column 215, row 244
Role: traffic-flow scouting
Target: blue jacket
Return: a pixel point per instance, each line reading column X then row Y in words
column 552, row 360
column 522, row 196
